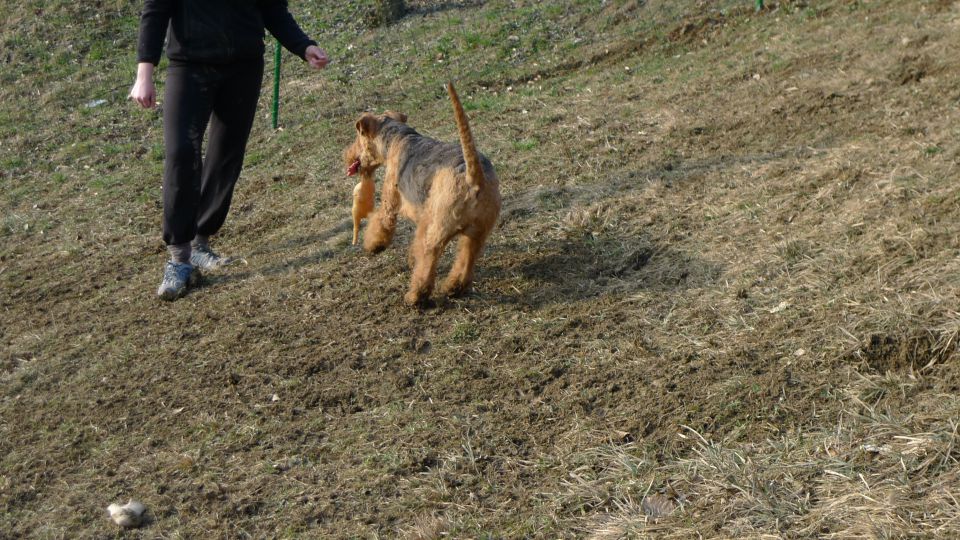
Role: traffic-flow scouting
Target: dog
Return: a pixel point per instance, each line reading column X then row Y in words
column 448, row 190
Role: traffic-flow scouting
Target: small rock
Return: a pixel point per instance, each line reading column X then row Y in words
column 128, row 516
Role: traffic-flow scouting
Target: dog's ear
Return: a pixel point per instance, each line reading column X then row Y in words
column 398, row 116
column 368, row 126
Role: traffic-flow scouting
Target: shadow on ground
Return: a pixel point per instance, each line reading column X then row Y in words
column 573, row 270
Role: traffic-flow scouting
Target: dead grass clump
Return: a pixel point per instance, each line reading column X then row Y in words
column 886, row 474
column 427, row 527
column 877, row 474
column 742, row 492
column 593, row 220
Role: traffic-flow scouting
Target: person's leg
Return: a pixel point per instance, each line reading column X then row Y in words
column 187, row 106
column 186, row 112
column 234, row 109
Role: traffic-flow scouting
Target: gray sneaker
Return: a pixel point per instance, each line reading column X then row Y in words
column 176, row 278
column 204, row 258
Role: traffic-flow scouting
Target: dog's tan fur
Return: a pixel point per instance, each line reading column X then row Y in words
column 448, row 190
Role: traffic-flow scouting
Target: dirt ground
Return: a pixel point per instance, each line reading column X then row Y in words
column 721, row 301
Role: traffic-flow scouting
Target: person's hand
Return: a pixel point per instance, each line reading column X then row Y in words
column 143, row 91
column 316, row 57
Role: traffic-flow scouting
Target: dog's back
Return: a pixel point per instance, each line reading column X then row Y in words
column 423, row 157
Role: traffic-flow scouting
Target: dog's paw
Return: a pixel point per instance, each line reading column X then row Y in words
column 412, row 298
column 416, row 299
column 455, row 289
column 375, row 248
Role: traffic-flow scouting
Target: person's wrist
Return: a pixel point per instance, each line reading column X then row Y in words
column 145, row 71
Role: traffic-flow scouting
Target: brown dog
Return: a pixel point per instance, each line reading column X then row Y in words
column 447, row 189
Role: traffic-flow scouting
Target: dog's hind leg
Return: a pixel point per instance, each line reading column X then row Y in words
column 461, row 274
column 428, row 245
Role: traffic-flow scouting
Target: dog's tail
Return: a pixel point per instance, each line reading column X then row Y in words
column 474, row 169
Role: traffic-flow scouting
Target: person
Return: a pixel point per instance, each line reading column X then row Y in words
column 216, row 50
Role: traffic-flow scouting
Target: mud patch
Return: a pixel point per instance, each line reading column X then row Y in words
column 913, row 69
column 883, row 353
column 696, row 29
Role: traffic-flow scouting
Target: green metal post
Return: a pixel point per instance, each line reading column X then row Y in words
column 276, row 85
column 759, row 5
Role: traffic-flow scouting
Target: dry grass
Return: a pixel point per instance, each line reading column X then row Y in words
column 877, row 474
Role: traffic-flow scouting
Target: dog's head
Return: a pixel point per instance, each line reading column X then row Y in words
column 366, row 153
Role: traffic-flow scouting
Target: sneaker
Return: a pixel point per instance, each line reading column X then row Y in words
column 176, row 278
column 204, row 258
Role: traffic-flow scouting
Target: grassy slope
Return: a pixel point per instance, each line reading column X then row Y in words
column 726, row 273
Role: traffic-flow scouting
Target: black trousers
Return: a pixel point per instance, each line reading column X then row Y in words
column 197, row 189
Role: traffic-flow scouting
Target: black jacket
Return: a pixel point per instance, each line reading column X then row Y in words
column 216, row 31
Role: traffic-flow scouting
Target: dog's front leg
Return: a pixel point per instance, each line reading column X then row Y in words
column 379, row 232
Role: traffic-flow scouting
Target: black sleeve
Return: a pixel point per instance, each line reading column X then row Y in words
column 278, row 20
column 154, row 20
